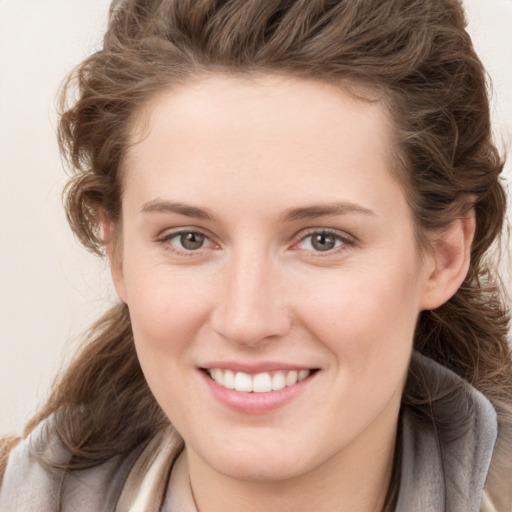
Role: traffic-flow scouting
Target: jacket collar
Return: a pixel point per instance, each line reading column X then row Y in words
column 447, row 443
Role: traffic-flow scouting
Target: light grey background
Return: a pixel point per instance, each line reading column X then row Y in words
column 51, row 289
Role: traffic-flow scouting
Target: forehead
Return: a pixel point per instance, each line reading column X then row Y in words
column 259, row 105
column 300, row 135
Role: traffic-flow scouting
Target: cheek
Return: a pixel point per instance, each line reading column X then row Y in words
column 166, row 309
column 367, row 314
column 166, row 316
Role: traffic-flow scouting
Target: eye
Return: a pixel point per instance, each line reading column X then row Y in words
column 322, row 241
column 190, row 241
column 185, row 241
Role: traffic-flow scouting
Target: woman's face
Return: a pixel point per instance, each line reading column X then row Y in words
column 265, row 241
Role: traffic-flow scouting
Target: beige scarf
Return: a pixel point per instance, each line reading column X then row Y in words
column 150, row 480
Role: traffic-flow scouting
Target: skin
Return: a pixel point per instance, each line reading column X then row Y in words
column 247, row 152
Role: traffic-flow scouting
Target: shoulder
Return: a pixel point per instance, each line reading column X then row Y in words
column 26, row 485
column 449, row 430
column 29, row 485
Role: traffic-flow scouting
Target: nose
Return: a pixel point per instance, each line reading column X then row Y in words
column 251, row 307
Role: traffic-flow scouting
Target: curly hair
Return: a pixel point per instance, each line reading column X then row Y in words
column 415, row 53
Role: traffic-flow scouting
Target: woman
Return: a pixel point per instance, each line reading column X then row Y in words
column 297, row 200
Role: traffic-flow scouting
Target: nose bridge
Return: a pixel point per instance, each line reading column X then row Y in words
column 251, row 306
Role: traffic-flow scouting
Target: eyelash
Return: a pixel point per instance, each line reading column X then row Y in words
column 165, row 240
column 343, row 240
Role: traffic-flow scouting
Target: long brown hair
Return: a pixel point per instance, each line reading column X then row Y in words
column 415, row 53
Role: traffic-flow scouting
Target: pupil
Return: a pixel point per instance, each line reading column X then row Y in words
column 323, row 242
column 192, row 241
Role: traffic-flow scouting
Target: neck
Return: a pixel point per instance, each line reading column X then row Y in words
column 355, row 479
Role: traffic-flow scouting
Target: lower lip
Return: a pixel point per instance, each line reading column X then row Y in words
column 256, row 403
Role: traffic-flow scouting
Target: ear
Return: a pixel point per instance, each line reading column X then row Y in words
column 113, row 246
column 448, row 261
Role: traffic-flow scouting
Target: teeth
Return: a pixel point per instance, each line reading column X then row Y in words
column 229, row 379
column 243, row 382
column 262, row 383
column 278, row 381
column 291, row 378
column 303, row 374
column 259, row 383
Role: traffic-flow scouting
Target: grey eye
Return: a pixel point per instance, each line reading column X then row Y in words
column 191, row 241
column 323, row 242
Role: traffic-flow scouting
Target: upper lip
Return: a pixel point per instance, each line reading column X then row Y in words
column 254, row 368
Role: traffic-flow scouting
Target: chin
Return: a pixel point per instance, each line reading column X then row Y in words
column 261, row 463
column 260, row 471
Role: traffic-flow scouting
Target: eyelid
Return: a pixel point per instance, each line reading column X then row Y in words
column 348, row 240
column 165, row 236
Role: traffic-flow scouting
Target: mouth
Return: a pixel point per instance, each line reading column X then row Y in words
column 263, row 382
column 257, row 389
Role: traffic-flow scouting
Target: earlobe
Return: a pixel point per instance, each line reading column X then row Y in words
column 113, row 244
column 448, row 262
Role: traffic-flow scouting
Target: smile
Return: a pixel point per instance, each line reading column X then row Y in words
column 260, row 383
column 259, row 388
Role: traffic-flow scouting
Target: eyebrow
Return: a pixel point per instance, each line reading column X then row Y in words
column 176, row 207
column 290, row 215
column 323, row 210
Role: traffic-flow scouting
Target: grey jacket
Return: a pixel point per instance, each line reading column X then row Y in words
column 443, row 469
